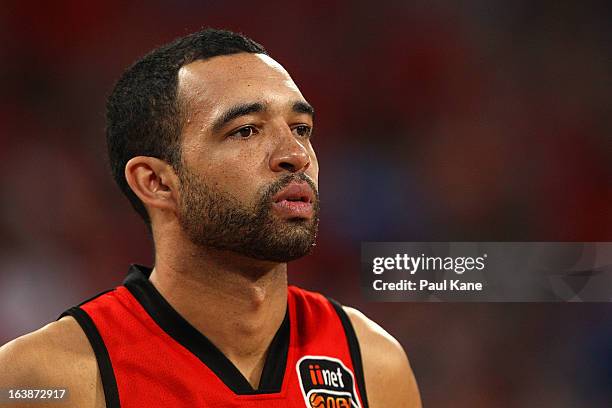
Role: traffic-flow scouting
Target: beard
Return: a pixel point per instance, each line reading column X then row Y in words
column 215, row 219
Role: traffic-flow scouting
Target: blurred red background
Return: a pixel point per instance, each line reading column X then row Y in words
column 478, row 121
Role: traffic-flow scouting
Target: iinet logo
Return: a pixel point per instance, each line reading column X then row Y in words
column 327, row 383
column 320, row 376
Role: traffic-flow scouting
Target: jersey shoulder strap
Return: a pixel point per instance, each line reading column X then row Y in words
column 107, row 375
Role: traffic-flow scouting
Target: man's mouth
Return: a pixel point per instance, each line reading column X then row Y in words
column 294, row 201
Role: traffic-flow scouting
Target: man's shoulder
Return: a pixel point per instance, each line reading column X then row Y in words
column 388, row 375
column 389, row 355
column 371, row 333
column 56, row 356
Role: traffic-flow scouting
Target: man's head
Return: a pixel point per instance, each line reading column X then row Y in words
column 212, row 135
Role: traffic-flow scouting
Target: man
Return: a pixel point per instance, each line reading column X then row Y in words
column 209, row 138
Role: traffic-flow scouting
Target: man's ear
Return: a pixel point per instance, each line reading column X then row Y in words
column 153, row 181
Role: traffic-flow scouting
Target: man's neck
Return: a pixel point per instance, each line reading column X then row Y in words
column 236, row 302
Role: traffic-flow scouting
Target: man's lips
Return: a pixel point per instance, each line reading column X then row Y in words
column 295, row 192
column 294, row 201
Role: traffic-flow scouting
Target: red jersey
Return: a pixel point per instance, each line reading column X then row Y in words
column 150, row 356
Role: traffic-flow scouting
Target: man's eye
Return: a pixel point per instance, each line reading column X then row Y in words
column 303, row 130
column 245, row 132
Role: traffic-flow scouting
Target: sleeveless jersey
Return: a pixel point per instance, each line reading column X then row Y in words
column 150, row 356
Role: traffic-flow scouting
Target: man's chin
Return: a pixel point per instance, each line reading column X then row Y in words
column 284, row 255
column 294, row 242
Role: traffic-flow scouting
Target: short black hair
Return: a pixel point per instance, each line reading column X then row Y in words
column 143, row 114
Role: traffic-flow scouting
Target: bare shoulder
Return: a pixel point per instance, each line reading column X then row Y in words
column 56, row 356
column 388, row 375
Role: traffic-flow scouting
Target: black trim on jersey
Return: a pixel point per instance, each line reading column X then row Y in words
column 137, row 282
column 109, row 382
column 354, row 349
column 276, row 361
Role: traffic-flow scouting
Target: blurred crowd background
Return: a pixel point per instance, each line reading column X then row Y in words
column 436, row 120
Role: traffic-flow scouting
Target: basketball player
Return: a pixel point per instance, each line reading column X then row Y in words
column 209, row 138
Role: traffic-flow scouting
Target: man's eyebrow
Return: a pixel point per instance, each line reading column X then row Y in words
column 303, row 107
column 254, row 107
column 237, row 111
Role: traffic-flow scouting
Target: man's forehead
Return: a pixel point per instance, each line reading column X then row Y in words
column 237, row 78
column 225, row 70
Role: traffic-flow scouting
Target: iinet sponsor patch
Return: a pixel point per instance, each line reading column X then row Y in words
column 326, row 383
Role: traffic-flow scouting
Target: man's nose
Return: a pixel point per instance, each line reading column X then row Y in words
column 289, row 154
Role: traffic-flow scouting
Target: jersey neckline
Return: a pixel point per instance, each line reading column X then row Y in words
column 166, row 317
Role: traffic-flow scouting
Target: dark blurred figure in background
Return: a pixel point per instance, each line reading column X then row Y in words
column 479, row 121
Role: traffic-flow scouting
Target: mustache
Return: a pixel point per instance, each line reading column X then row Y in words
column 283, row 182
